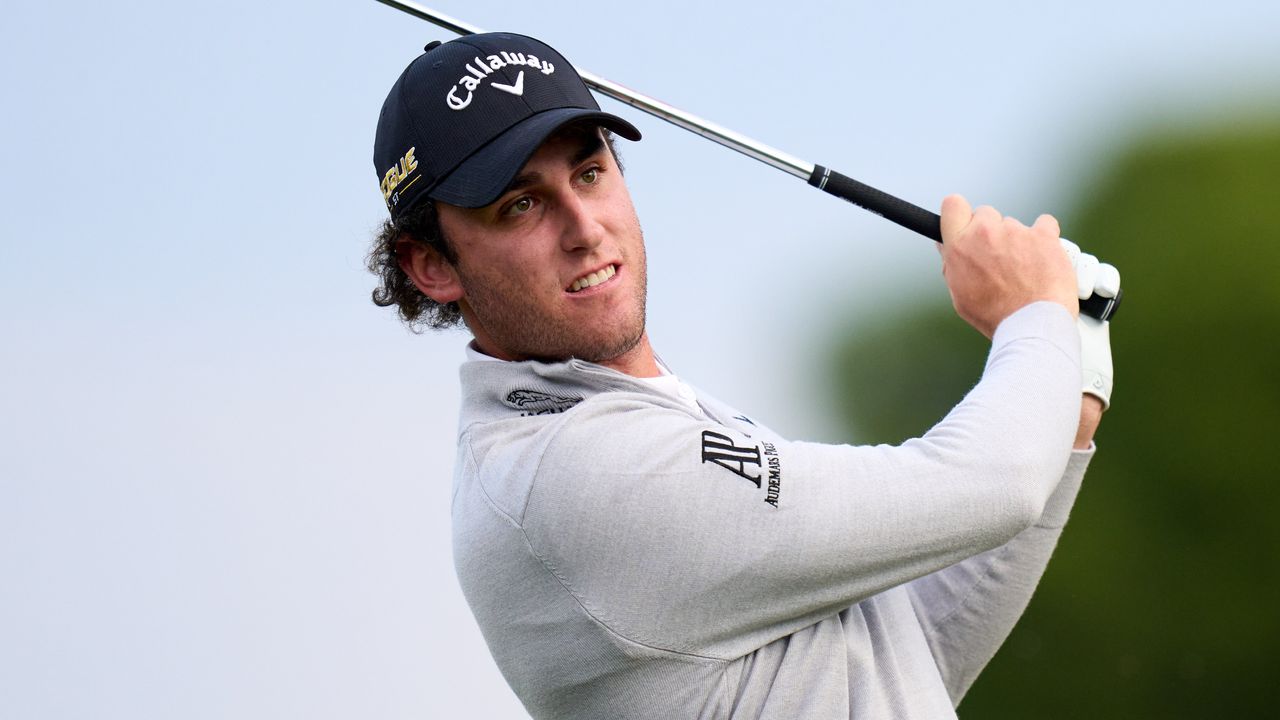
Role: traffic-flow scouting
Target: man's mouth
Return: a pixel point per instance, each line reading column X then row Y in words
column 593, row 279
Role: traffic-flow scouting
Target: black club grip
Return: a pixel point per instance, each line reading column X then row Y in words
column 911, row 217
column 924, row 222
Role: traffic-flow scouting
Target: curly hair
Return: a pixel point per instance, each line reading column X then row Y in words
column 421, row 224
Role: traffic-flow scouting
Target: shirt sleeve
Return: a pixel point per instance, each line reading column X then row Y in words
column 685, row 535
column 968, row 610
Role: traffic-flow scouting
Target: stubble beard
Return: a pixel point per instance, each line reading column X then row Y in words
column 498, row 308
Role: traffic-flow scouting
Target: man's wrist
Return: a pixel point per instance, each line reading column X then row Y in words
column 1090, row 417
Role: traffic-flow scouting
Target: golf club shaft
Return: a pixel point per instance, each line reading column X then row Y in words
column 908, row 215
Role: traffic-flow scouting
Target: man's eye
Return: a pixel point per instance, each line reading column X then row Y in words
column 521, row 206
column 591, row 176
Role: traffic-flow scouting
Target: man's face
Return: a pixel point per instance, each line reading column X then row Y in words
column 555, row 268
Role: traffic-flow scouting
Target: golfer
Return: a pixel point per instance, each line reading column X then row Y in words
column 634, row 548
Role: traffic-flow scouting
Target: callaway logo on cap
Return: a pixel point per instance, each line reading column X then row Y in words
column 471, row 81
column 466, row 115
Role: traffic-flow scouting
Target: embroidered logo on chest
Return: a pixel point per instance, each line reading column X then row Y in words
column 532, row 402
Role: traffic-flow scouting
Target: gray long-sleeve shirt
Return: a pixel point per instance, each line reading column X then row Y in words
column 627, row 556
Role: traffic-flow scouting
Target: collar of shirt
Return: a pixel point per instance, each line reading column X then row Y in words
column 667, row 383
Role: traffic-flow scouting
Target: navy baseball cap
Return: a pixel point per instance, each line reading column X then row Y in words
column 466, row 115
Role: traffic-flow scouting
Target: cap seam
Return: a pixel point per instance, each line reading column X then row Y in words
column 413, row 124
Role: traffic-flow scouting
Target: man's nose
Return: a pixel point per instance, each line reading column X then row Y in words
column 581, row 231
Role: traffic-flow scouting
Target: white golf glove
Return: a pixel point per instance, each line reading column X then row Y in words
column 1095, row 335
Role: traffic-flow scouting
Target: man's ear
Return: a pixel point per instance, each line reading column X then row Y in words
column 430, row 271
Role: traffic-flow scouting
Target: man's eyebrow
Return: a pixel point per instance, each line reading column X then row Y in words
column 591, row 144
column 522, row 181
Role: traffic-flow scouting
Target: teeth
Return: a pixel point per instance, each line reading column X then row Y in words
column 593, row 279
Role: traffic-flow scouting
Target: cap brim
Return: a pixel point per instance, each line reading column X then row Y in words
column 482, row 178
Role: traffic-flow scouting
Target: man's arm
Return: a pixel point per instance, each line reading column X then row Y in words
column 689, row 536
column 969, row 609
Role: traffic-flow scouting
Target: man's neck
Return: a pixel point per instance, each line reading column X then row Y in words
column 639, row 361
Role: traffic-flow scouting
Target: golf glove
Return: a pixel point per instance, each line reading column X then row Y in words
column 1095, row 335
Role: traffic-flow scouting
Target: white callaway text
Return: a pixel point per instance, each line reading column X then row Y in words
column 478, row 70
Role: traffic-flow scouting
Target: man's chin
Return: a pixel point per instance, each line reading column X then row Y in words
column 609, row 352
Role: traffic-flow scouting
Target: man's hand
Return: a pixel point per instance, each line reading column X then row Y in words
column 1095, row 361
column 1092, row 277
column 994, row 265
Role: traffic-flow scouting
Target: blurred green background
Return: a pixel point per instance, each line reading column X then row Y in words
column 1163, row 597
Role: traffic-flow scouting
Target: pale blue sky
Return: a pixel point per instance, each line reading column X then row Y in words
column 224, row 474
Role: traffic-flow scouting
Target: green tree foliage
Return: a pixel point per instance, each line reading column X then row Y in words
column 1163, row 599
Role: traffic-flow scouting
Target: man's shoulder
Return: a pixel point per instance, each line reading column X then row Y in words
column 525, row 430
column 552, row 395
column 604, row 422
